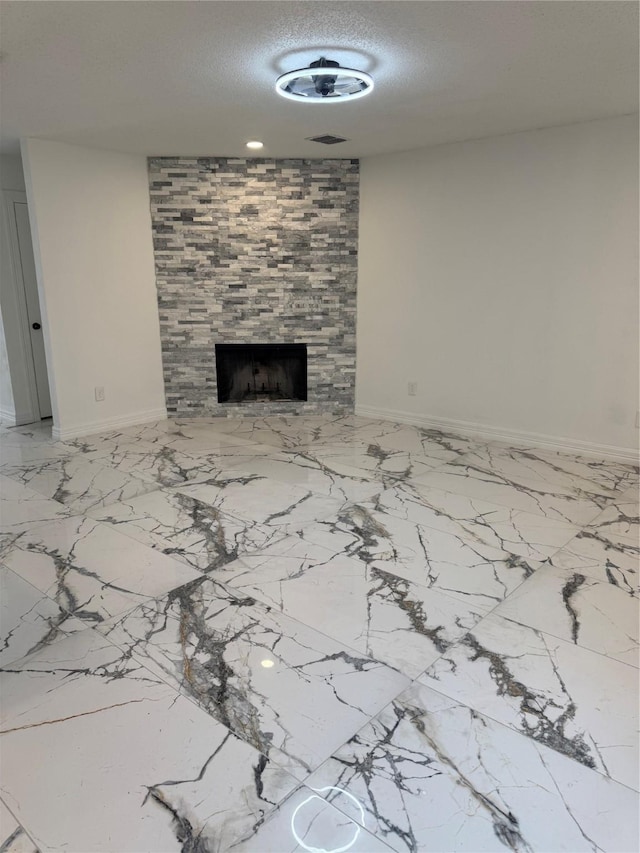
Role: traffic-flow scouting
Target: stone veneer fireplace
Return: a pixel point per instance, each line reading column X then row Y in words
column 255, row 251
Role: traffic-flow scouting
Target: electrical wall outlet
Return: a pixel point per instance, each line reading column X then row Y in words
column 99, row 390
column 412, row 388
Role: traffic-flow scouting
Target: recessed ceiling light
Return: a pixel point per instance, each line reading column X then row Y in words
column 324, row 82
column 254, row 144
column 267, row 663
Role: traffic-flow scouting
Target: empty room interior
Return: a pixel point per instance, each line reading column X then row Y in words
column 319, row 422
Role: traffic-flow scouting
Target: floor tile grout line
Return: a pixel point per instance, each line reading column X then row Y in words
column 26, row 831
column 530, row 484
column 174, row 555
column 447, row 593
column 205, row 575
column 331, row 804
column 416, row 583
column 416, row 682
column 495, row 607
column 490, row 501
column 426, row 526
column 244, row 520
column 588, row 571
column 562, row 640
column 42, row 595
column 539, row 453
column 17, row 479
column 527, row 737
column 180, row 691
column 142, row 476
column 493, row 612
column 232, row 591
column 254, row 593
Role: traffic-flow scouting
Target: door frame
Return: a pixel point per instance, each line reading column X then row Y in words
column 15, row 286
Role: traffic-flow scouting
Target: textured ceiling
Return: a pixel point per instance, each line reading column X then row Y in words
column 197, row 77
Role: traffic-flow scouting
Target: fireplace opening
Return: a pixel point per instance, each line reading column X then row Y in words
column 261, row 372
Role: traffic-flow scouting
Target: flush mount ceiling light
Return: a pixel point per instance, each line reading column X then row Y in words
column 254, row 143
column 324, row 81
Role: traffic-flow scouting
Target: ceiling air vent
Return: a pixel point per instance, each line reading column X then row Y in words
column 327, row 139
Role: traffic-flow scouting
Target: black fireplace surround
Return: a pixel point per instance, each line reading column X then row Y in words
column 261, row 372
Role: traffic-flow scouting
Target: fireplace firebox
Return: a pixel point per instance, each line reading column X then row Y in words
column 261, row 372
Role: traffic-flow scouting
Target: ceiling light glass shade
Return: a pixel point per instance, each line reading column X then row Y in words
column 322, row 84
column 254, row 144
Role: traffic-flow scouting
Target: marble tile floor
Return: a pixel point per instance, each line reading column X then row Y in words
column 315, row 634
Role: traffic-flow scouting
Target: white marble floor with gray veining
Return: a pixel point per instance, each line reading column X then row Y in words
column 315, row 634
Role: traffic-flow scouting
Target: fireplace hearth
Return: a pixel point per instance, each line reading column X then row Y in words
column 261, row 372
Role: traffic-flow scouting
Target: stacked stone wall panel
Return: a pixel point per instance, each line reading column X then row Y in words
column 255, row 251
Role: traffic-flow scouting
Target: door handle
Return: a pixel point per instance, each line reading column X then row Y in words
column 35, row 325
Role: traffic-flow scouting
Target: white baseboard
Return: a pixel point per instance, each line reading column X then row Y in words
column 12, row 418
column 94, row 427
column 8, row 417
column 511, row 436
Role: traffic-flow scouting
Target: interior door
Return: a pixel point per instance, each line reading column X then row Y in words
column 33, row 307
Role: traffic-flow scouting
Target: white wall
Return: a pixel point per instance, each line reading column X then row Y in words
column 91, row 226
column 501, row 275
column 11, row 174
